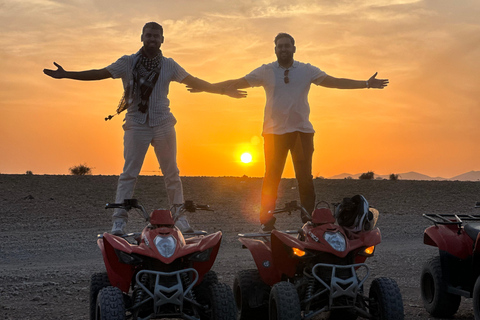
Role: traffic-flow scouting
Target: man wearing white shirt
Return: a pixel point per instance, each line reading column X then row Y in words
column 286, row 125
column 146, row 77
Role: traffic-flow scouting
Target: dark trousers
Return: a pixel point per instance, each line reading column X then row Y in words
column 301, row 148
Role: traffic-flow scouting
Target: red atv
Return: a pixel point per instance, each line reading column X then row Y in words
column 455, row 271
column 317, row 269
column 159, row 273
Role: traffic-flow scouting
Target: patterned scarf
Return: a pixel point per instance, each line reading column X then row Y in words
column 144, row 77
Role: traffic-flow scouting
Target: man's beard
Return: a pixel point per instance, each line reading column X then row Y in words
column 285, row 59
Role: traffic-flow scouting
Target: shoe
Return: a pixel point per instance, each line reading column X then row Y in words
column 181, row 221
column 269, row 225
column 119, row 226
column 183, row 225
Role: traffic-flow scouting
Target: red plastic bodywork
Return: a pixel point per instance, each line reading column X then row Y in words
column 274, row 258
column 161, row 217
column 450, row 238
column 120, row 274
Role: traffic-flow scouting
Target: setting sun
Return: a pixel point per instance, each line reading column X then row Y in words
column 246, row 157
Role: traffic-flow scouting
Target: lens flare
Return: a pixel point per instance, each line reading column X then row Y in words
column 246, row 157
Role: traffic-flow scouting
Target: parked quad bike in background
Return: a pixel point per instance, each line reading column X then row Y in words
column 454, row 272
column 317, row 269
column 159, row 273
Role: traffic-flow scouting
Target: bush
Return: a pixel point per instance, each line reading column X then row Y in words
column 80, row 170
column 367, row 175
column 393, row 177
column 29, row 173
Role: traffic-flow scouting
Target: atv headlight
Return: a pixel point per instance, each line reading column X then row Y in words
column 336, row 240
column 165, row 245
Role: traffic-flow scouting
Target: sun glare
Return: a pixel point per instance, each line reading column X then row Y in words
column 246, row 157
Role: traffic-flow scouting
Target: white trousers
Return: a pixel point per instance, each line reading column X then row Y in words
column 136, row 140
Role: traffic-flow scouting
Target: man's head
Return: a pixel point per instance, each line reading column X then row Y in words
column 152, row 37
column 284, row 48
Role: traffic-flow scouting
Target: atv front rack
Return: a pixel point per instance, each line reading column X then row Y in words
column 445, row 219
column 338, row 287
column 174, row 293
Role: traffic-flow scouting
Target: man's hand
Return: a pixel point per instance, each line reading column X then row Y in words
column 373, row 82
column 57, row 74
column 234, row 93
column 229, row 91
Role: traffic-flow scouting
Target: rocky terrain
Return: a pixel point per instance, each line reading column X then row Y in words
column 49, row 225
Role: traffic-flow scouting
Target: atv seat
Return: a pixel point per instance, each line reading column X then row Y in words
column 472, row 229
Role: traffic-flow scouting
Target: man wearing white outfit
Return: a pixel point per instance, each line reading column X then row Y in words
column 146, row 77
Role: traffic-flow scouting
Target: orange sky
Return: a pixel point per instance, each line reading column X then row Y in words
column 426, row 121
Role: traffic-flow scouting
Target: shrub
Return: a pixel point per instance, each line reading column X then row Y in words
column 394, row 177
column 80, row 170
column 367, row 175
column 29, row 173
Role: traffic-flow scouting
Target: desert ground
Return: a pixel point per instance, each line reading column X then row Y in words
column 49, row 225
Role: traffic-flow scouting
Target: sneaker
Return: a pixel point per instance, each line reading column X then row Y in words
column 119, row 226
column 183, row 225
column 177, row 210
column 269, row 225
column 181, row 221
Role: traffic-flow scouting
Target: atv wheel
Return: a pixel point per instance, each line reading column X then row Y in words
column 385, row 300
column 110, row 304
column 251, row 295
column 98, row 281
column 436, row 300
column 284, row 303
column 221, row 302
column 203, row 289
column 476, row 299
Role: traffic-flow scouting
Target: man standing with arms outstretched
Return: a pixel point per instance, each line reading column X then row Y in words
column 286, row 125
column 146, row 77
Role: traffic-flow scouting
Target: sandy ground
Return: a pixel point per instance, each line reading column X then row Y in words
column 49, row 225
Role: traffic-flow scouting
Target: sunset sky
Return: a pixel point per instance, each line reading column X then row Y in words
column 427, row 120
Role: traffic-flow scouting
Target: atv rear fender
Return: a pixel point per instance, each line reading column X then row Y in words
column 262, row 255
column 449, row 238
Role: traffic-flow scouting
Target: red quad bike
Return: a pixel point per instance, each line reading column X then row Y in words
column 318, row 269
column 159, row 273
column 455, row 271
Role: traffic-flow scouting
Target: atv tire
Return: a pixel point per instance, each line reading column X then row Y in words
column 385, row 300
column 284, row 302
column 98, row 281
column 476, row 299
column 221, row 302
column 251, row 295
column 110, row 304
column 202, row 290
column 436, row 300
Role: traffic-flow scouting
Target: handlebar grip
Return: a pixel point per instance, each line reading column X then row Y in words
column 114, row 205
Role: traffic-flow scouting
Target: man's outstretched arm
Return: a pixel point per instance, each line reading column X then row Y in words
column 340, row 83
column 86, row 75
column 199, row 85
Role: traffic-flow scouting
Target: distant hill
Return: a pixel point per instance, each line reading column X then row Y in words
column 469, row 176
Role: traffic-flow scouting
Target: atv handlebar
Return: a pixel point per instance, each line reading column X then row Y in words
column 293, row 206
column 129, row 204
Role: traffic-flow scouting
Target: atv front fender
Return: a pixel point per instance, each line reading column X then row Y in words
column 119, row 274
column 262, row 255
